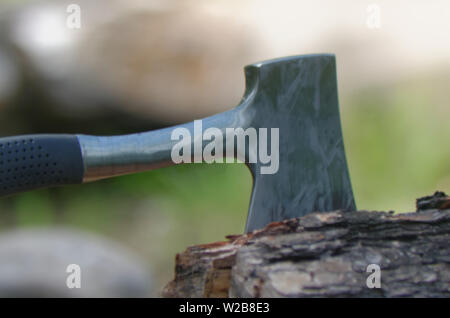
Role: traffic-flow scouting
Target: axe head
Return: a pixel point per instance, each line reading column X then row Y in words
column 298, row 95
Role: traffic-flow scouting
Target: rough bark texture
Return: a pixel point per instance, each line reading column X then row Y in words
column 324, row 255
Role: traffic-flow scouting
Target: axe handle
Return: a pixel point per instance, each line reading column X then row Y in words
column 29, row 162
column 108, row 156
column 36, row 161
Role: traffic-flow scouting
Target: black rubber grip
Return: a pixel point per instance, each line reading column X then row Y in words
column 37, row 161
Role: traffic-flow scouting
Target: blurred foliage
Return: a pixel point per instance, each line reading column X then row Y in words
column 396, row 141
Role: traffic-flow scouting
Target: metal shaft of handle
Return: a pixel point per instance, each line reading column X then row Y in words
column 110, row 156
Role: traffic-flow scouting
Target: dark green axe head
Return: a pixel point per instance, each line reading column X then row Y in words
column 293, row 99
column 298, row 95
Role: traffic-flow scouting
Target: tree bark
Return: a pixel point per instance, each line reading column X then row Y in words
column 324, row 255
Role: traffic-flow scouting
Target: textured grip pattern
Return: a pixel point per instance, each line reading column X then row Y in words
column 37, row 161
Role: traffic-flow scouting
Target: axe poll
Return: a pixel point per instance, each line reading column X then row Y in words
column 297, row 95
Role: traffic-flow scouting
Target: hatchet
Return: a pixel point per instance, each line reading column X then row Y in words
column 296, row 95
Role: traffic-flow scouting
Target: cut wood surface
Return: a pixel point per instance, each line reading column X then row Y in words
column 324, row 255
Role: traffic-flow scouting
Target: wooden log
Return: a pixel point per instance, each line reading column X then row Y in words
column 324, row 255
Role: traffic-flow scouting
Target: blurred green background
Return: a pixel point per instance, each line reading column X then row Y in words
column 396, row 136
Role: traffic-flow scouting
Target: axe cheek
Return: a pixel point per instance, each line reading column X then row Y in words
column 298, row 95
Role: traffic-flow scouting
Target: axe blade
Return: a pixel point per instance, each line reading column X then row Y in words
column 299, row 96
